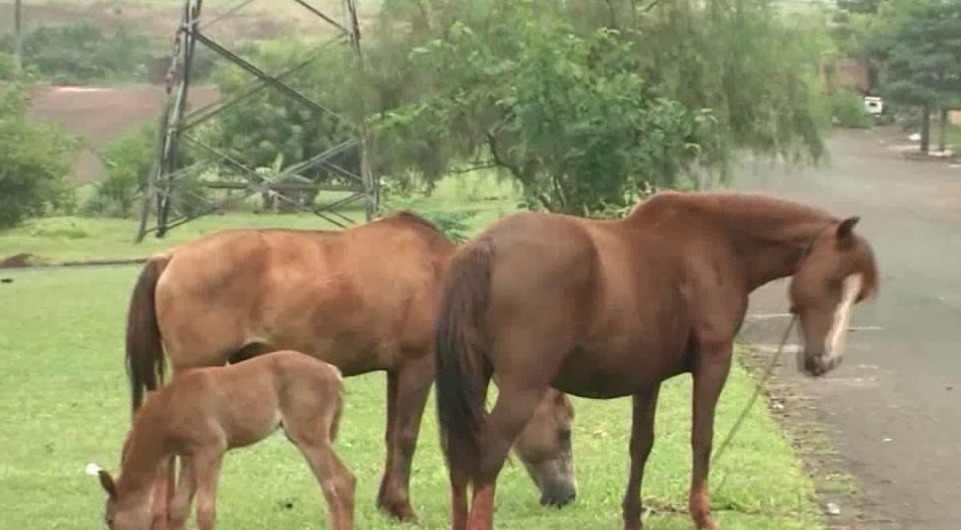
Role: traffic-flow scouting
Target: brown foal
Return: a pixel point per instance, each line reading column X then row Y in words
column 204, row 412
column 604, row 309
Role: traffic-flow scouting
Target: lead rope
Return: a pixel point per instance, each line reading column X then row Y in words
column 757, row 392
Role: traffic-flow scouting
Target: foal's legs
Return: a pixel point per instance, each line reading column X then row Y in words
column 711, row 370
column 642, row 440
column 311, row 434
column 207, row 472
column 186, row 487
column 163, row 492
column 413, row 386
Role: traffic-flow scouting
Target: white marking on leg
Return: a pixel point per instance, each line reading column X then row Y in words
column 834, row 342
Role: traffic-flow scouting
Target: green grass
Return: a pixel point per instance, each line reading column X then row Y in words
column 64, row 401
column 64, row 239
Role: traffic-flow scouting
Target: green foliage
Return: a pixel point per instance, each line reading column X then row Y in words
column 920, row 46
column 80, row 52
column 35, row 160
column 271, row 124
column 127, row 162
column 8, row 68
column 847, row 107
column 531, row 98
column 560, row 97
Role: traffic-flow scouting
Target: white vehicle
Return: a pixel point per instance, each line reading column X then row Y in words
column 873, row 105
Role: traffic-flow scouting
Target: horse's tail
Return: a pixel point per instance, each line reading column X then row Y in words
column 462, row 371
column 144, row 355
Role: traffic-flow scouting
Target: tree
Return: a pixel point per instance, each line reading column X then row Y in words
column 575, row 100
column 859, row 6
column 920, row 46
column 35, row 162
column 559, row 114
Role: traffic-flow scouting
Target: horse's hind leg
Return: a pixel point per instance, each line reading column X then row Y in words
column 642, row 440
column 515, row 406
column 413, row 386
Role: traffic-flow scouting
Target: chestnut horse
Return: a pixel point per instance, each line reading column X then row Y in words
column 610, row 308
column 363, row 299
column 205, row 412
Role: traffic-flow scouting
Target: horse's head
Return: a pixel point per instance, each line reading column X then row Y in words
column 123, row 512
column 545, row 449
column 838, row 272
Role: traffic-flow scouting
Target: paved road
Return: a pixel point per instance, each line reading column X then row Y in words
column 893, row 408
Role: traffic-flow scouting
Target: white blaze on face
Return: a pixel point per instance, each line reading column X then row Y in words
column 834, row 342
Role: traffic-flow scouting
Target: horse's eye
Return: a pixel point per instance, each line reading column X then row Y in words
column 564, row 435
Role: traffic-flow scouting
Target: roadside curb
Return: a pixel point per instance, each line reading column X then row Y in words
column 24, row 262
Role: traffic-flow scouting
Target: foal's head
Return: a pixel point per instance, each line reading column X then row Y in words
column 544, row 446
column 838, row 271
column 123, row 512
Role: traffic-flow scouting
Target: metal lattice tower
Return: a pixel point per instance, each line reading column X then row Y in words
column 165, row 182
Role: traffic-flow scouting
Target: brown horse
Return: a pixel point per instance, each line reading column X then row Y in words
column 604, row 309
column 363, row 299
column 205, row 412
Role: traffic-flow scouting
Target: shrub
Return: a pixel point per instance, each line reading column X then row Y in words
column 126, row 163
column 35, row 161
column 847, row 108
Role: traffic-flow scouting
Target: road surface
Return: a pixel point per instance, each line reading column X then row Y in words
column 893, row 408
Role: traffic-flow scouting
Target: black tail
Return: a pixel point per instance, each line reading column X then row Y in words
column 462, row 370
column 144, row 356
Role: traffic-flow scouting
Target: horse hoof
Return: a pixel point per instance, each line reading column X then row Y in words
column 403, row 514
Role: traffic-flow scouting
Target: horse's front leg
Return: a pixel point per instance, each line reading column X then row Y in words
column 712, row 364
column 642, row 440
column 412, row 388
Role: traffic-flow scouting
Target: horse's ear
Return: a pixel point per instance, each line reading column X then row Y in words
column 845, row 231
column 107, row 482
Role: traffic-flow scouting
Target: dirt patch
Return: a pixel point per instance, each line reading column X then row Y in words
column 18, row 261
column 100, row 115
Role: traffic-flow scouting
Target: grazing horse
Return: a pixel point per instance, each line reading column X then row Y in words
column 610, row 308
column 362, row 299
column 205, row 412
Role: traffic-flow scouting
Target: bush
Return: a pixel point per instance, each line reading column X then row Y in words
column 35, row 161
column 80, row 52
column 8, row 70
column 847, row 107
column 126, row 161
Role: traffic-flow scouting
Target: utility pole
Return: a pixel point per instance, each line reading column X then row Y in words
column 18, row 35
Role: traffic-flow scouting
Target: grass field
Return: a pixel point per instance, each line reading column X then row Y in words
column 55, row 240
column 64, row 401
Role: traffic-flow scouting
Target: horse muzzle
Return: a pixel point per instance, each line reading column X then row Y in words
column 559, row 496
column 816, row 363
